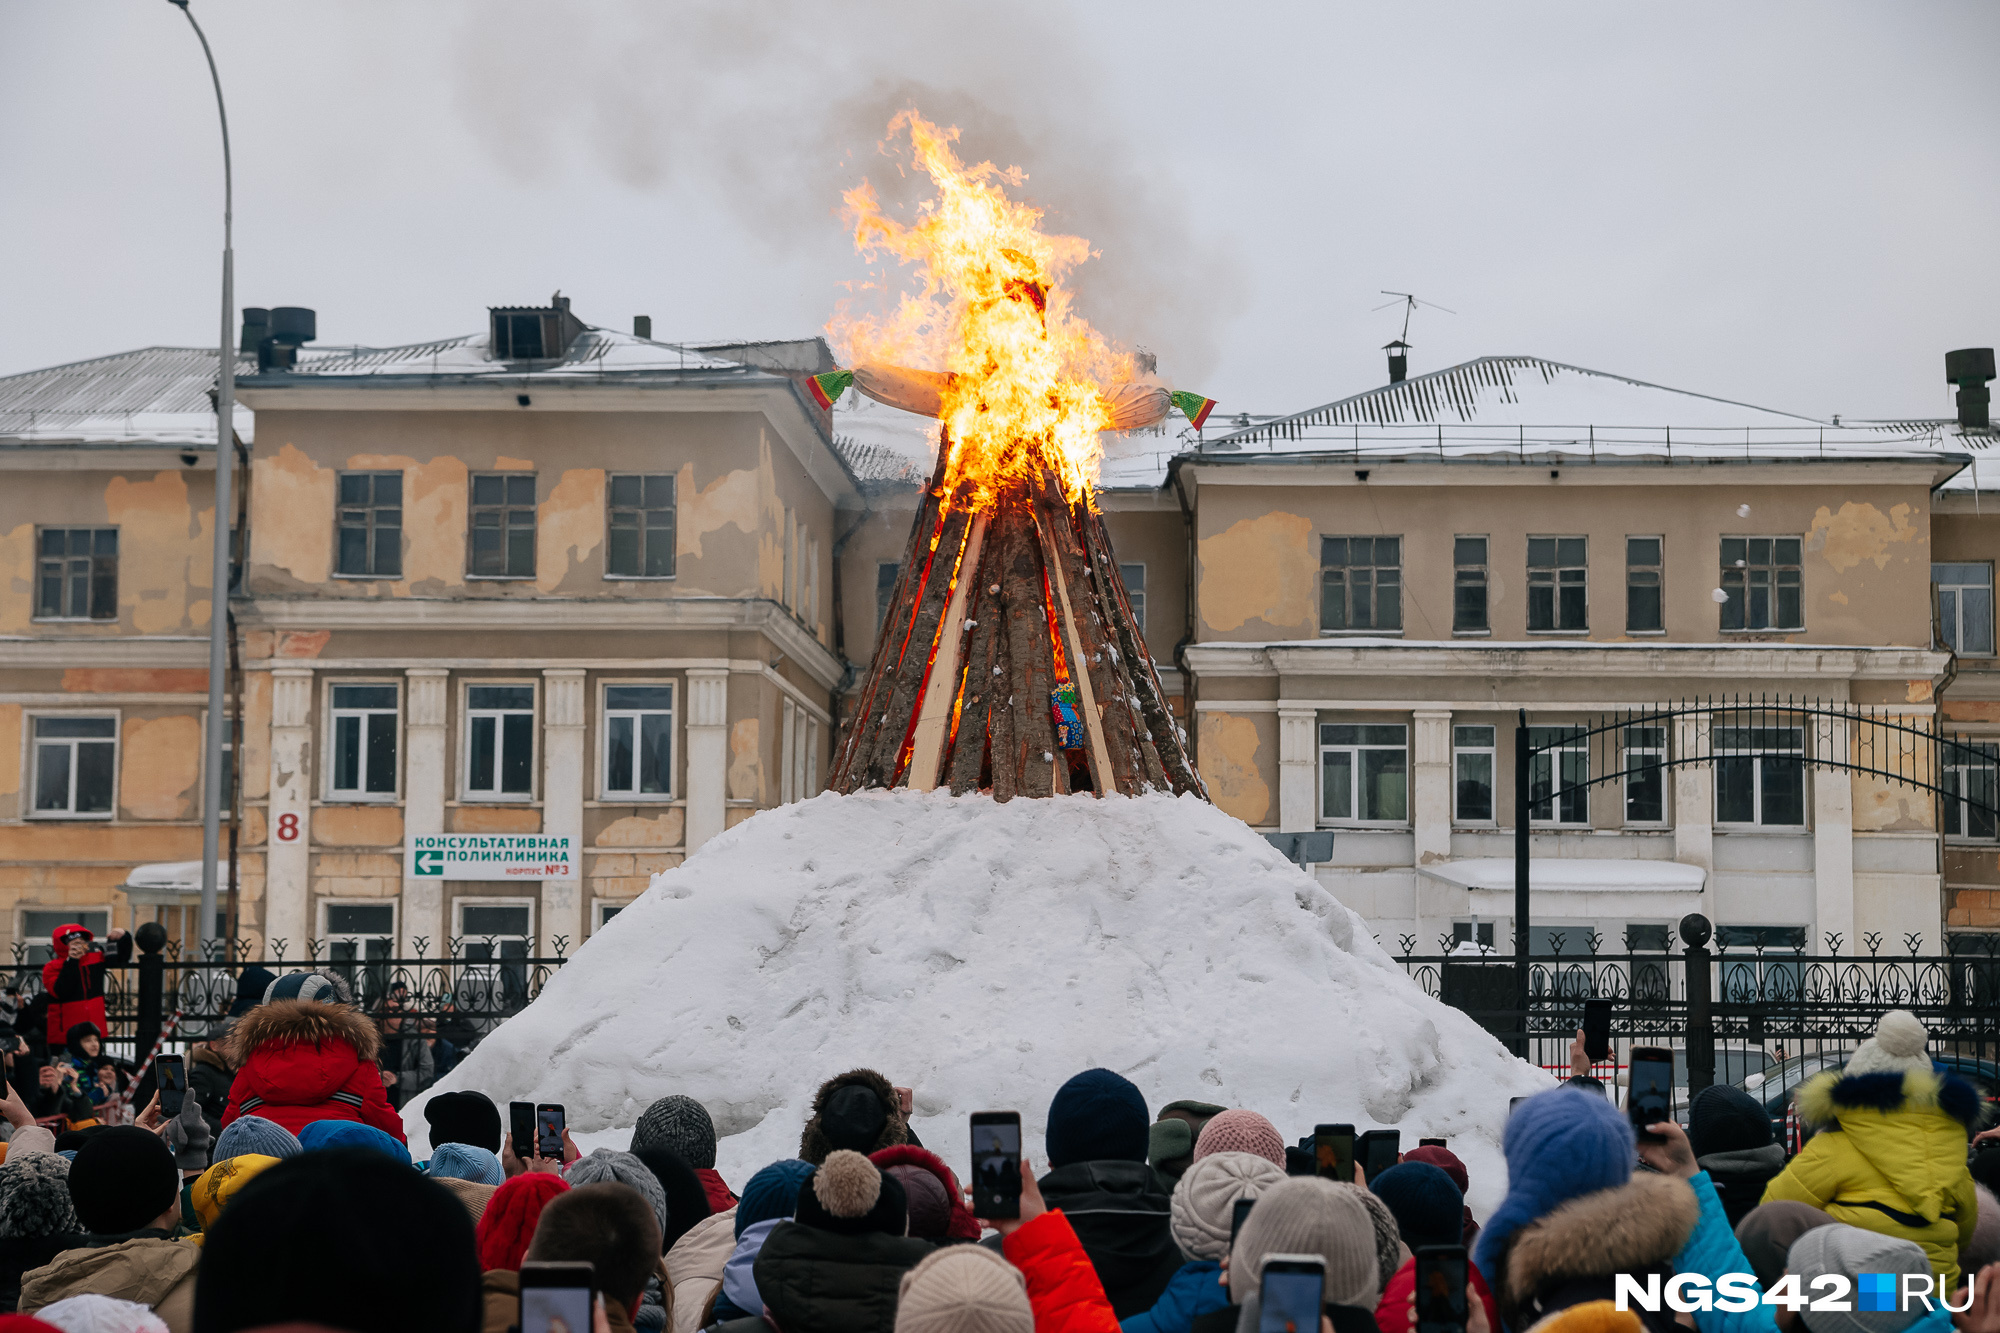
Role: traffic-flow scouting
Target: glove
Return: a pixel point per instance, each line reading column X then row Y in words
column 188, row 1135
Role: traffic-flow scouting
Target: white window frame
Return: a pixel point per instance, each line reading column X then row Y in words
column 1554, row 758
column 798, row 753
column 327, row 937
column 1492, row 753
column 27, row 941
column 604, row 712
column 1957, row 815
column 465, row 716
column 1757, row 756
column 1355, row 750
column 458, row 932
column 1626, row 750
column 30, row 786
column 1958, row 589
column 598, row 920
column 340, row 796
column 1136, row 600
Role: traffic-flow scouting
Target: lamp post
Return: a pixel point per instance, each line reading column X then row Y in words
column 225, row 461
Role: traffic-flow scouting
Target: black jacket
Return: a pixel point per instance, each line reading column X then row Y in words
column 1121, row 1216
column 209, row 1079
column 19, row 1254
column 815, row 1281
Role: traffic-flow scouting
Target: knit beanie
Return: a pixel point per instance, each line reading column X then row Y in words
column 930, row 1206
column 1426, row 1205
column 1850, row 1251
column 91, row 1313
column 463, row 1161
column 850, row 1196
column 1444, row 1160
column 122, row 1179
column 255, row 1135
column 772, row 1193
column 1896, row 1048
column 1170, row 1141
column 1390, row 1252
column 622, row 1167
column 1722, row 1118
column 463, row 1117
column 1308, row 1215
column 508, row 1223
column 1241, row 1131
column 220, row 1183
column 956, row 1222
column 251, row 983
column 680, row 1123
column 1768, row 1232
column 964, row 1289
column 34, row 1197
column 1559, row 1144
column 323, row 1134
column 324, row 985
column 1097, row 1116
column 1204, row 1202
column 853, row 1118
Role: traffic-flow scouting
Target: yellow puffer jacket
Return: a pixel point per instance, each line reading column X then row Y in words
column 1890, row 1158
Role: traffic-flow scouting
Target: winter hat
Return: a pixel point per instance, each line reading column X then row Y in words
column 958, row 1222
column 930, row 1206
column 1849, row 1251
column 1444, row 1160
column 219, row 1184
column 1097, row 1116
column 1390, row 1252
column 511, row 1214
column 1984, row 1247
column 850, row 1196
column 1308, row 1215
column 100, row 1314
column 73, row 1039
column 21, row 1323
column 1560, row 1144
column 463, row 1117
column 470, row 1193
column 1768, row 1232
column 964, row 1289
column 1722, row 1118
column 324, row 985
column 1896, row 1048
column 687, row 1196
column 322, row 1134
column 251, row 983
column 255, row 1134
column 34, row 1197
column 772, row 1193
column 625, row 1169
column 680, row 1123
column 1204, row 1202
column 122, row 1179
column 1428, row 1208
column 463, row 1161
column 1170, row 1141
column 853, row 1118
column 1241, row 1131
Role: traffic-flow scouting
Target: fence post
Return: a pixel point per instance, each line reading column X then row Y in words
column 1521, row 904
column 1695, row 931
column 150, row 938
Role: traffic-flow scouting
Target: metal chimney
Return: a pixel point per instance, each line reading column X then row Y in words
column 642, row 327
column 1971, row 368
column 1399, row 360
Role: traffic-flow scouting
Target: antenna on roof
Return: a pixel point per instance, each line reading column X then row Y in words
column 1399, row 350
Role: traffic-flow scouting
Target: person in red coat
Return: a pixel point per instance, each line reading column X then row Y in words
column 1064, row 1291
column 306, row 1054
column 74, row 979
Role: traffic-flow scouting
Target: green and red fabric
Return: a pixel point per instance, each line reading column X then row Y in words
column 827, row 388
column 1193, row 405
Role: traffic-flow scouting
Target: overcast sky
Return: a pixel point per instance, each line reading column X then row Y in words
column 1790, row 204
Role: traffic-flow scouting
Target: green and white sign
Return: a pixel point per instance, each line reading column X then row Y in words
column 491, row 856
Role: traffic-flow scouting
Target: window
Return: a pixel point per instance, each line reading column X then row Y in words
column 638, row 740
column 1965, row 608
column 1556, row 570
column 1645, row 775
column 602, row 912
column 365, row 934
column 79, row 574
column 76, row 760
column 503, row 525
column 1646, row 936
column 1468, row 585
column 1134, row 578
column 641, row 540
column 500, row 740
column 788, row 592
column 1760, row 775
column 499, row 933
column 1556, row 794
column 1461, row 933
column 1642, row 585
column 517, row 338
column 1761, row 962
column 1360, row 584
column 1760, row 583
column 364, row 741
column 371, row 525
column 1364, row 772
column 1971, row 791
column 885, row 591
column 38, row 923
column 1472, row 770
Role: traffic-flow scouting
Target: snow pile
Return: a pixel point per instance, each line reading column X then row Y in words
column 981, row 954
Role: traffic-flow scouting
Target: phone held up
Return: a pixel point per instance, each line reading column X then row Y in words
column 1441, row 1281
column 1379, row 1150
column 170, row 1077
column 521, row 1126
column 1333, row 1152
column 1291, row 1293
column 1238, row 1211
column 1597, row 1029
column 549, row 1126
column 557, row 1297
column 996, row 1164
column 1650, row 1097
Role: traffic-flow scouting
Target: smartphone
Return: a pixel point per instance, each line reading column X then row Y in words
column 996, row 1164
column 1290, row 1295
column 1441, row 1279
column 1597, row 1029
column 1333, row 1152
column 1433, row 1143
column 171, row 1078
column 557, row 1297
column 1650, row 1097
column 1237, row 1212
column 549, row 1125
column 1380, row 1149
column 521, row 1121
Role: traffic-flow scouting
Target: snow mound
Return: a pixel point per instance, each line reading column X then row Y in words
column 981, row 954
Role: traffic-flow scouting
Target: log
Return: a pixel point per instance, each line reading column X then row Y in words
column 884, row 761
column 1000, row 714
column 936, row 715
column 976, row 694
column 1052, row 528
column 1030, row 659
column 1093, row 661
column 1180, row 774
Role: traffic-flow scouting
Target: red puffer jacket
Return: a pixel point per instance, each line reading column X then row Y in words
column 300, row 1060
column 1063, row 1288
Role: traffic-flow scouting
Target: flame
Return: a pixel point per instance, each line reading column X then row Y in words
column 985, row 301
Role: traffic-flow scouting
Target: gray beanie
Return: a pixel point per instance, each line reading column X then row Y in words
column 680, row 1123
column 1850, row 1251
column 1205, row 1199
column 1308, row 1215
column 1390, row 1252
column 34, row 1197
column 622, row 1167
column 248, row 1134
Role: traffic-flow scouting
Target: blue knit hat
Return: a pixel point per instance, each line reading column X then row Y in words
column 1560, row 1144
column 351, row 1134
column 772, row 1193
column 1098, row 1116
column 465, row 1161
column 1429, row 1209
column 248, row 1134
column 324, row 985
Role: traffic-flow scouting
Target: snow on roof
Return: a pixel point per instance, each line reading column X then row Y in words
column 167, row 876
column 155, row 395
column 592, row 353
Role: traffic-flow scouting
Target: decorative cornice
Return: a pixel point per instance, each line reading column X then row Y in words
column 1723, row 661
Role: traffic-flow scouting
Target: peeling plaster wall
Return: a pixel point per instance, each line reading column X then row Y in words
column 160, row 767
column 1239, row 762
column 163, row 521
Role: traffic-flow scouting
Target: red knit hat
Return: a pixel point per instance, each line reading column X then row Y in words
column 1443, row 1159
column 1241, row 1131
column 509, row 1221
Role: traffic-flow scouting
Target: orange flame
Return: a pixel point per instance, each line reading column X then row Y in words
column 989, row 307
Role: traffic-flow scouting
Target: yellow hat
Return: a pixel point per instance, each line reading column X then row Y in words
column 217, row 1185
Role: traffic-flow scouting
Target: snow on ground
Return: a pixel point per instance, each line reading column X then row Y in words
column 981, row 954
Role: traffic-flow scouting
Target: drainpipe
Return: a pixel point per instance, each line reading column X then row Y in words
column 1187, row 603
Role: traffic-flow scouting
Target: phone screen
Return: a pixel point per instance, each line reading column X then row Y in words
column 996, row 1164
column 1441, row 1279
column 1433, row 1143
column 1651, row 1098
column 555, row 1310
column 1597, row 1029
column 549, row 1131
column 1289, row 1296
column 521, row 1122
column 1237, row 1212
column 170, row 1075
column 1379, row 1150
column 1333, row 1152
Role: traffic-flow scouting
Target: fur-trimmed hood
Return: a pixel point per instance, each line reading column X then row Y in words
column 1633, row 1227
column 300, row 1022
column 814, row 1144
column 1826, row 1099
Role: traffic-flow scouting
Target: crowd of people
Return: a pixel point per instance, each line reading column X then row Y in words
column 283, row 1195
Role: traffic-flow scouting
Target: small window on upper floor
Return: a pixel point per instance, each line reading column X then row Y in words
column 503, row 525
column 641, row 542
column 371, row 526
column 500, row 742
column 1558, row 595
column 1642, row 585
column 1761, row 584
column 1964, row 608
column 75, row 766
column 517, row 337
column 77, row 575
column 1134, row 577
column 1361, row 585
column 1468, row 585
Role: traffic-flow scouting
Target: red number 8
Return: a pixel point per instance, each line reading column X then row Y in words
column 288, row 828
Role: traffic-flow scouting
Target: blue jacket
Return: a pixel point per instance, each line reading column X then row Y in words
column 1711, row 1250
column 1192, row 1291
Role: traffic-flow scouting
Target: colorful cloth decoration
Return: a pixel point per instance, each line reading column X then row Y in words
column 1064, row 706
column 1193, row 405
column 827, row 388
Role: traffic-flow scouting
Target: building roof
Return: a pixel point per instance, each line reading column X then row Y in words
column 594, row 353
column 155, row 395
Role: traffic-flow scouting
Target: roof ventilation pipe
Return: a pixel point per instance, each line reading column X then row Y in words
column 1971, row 368
column 1399, row 360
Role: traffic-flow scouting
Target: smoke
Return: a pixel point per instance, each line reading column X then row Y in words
column 777, row 109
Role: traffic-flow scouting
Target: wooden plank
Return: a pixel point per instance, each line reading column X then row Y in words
column 941, row 690
column 1179, row 772
column 1103, row 777
column 1000, row 711
column 1031, row 665
column 969, row 746
column 884, row 761
column 1123, row 732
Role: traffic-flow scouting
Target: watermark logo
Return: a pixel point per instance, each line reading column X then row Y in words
column 1829, row 1293
column 1876, row 1292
